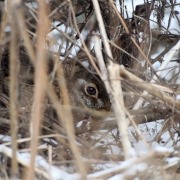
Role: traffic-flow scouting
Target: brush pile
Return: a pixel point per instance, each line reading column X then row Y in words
column 133, row 47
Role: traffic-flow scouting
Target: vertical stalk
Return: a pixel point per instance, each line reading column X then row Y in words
column 40, row 83
column 13, row 84
column 113, row 85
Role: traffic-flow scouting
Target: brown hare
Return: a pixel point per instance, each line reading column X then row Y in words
column 85, row 89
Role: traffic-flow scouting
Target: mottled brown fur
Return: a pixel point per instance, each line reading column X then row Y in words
column 78, row 79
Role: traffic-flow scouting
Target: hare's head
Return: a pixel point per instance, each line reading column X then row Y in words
column 86, row 89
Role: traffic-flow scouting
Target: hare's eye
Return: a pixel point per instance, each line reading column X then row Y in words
column 91, row 90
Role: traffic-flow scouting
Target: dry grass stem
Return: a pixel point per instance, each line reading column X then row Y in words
column 119, row 109
column 128, row 32
column 102, row 29
column 163, row 66
column 82, row 41
column 40, row 85
column 115, row 91
column 68, row 123
column 150, row 88
column 14, row 73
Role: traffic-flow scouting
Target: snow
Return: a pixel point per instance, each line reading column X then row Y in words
column 173, row 28
column 161, row 149
column 120, row 168
column 5, row 138
column 178, row 97
column 130, row 6
column 141, row 148
column 53, row 172
column 173, row 161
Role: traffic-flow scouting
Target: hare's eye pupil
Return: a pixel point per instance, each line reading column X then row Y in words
column 91, row 90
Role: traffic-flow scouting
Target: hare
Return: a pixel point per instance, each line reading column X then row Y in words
column 86, row 90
